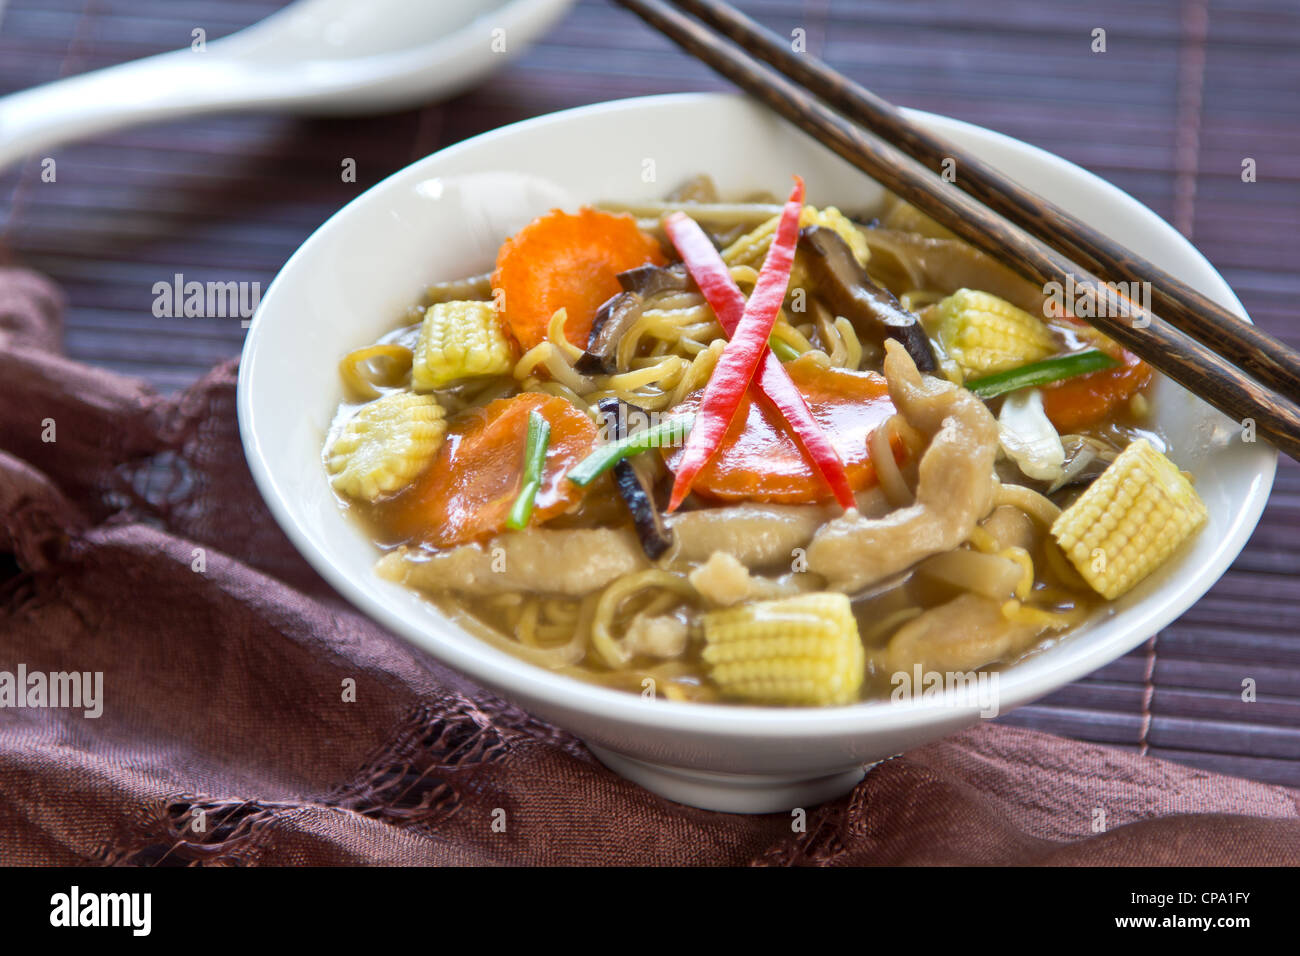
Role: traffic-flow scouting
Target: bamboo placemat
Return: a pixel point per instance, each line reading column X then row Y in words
column 1184, row 94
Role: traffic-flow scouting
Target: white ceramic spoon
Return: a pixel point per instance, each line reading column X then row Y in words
column 315, row 56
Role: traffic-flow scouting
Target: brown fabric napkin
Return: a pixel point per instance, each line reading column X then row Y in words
column 141, row 549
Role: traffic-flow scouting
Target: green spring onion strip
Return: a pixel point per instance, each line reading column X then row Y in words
column 783, row 349
column 611, row 453
column 539, row 437
column 1040, row 373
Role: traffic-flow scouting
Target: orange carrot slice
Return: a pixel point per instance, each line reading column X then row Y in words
column 759, row 458
column 1074, row 403
column 468, row 491
column 563, row 261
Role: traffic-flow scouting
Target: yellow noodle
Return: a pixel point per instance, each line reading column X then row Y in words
column 510, row 606
column 702, row 334
column 982, row 541
column 530, row 360
column 644, row 361
column 696, row 324
column 698, row 373
column 557, row 657
column 1018, row 613
column 559, row 618
column 563, row 391
column 555, row 335
column 396, row 366
column 652, row 400
column 1021, row 557
column 852, row 346
column 1037, row 506
column 650, row 323
column 650, row 397
column 563, row 372
column 676, row 300
column 551, row 634
column 560, row 610
column 788, row 335
column 913, row 440
column 526, row 628
column 786, row 331
column 664, row 373
column 666, row 321
column 690, row 347
column 831, row 338
column 606, row 645
column 515, row 615
column 660, row 603
column 817, row 357
column 548, row 355
column 888, row 475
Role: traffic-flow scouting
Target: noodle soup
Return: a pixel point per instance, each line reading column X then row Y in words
column 755, row 451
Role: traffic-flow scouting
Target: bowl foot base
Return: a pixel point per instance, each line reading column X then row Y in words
column 732, row 792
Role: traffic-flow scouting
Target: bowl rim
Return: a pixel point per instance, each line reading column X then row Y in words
column 505, row 674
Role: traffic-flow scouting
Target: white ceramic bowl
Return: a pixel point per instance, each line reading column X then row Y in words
column 445, row 215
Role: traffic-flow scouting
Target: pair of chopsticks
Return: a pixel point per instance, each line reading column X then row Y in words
column 1237, row 368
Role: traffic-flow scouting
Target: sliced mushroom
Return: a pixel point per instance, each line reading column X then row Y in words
column 620, row 312
column 650, row 281
column 1085, row 459
column 906, row 261
column 636, row 489
column 874, row 312
column 613, row 320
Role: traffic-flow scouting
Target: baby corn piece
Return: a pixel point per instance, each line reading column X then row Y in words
column 1130, row 520
column 797, row 650
column 459, row 340
column 385, row 445
column 751, row 248
column 985, row 334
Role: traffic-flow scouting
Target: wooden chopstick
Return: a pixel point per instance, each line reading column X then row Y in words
column 1182, row 358
column 1257, row 353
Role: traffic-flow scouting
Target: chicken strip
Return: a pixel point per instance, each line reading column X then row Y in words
column 954, row 490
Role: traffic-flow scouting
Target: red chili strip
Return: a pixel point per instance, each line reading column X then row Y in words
column 739, row 360
column 728, row 303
